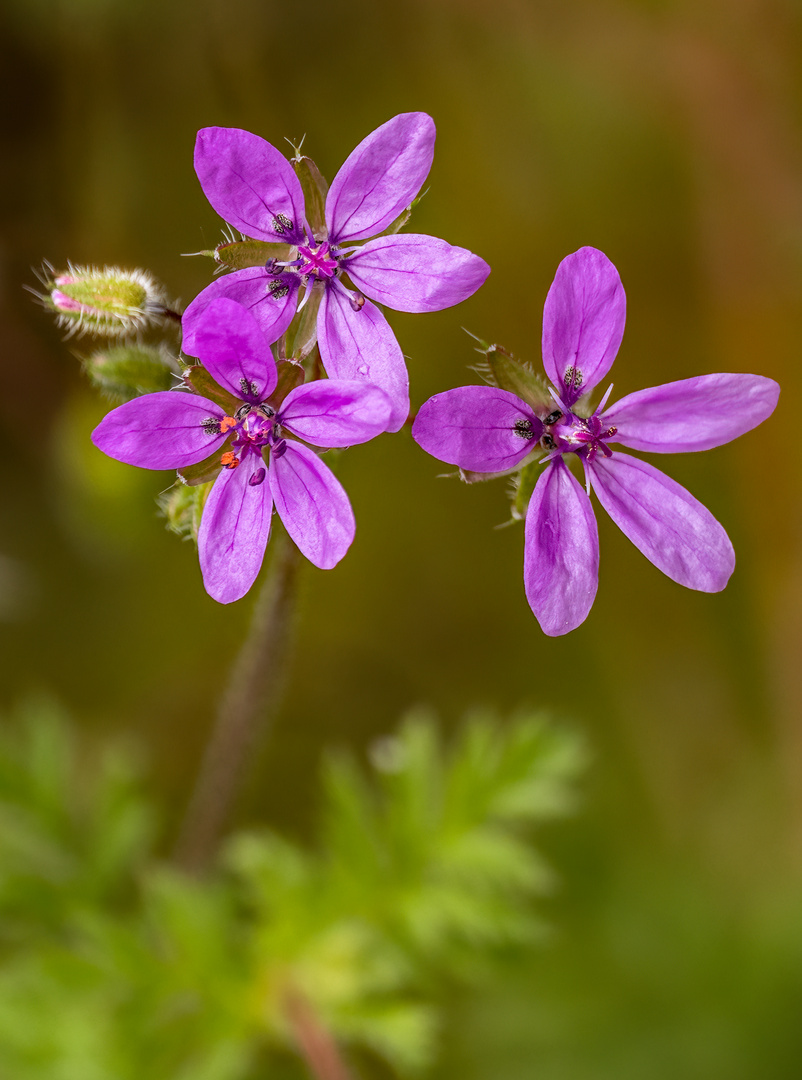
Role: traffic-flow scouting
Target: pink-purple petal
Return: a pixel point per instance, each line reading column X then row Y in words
column 250, row 184
column 250, row 288
column 381, row 177
column 561, row 551
column 312, row 504
column 410, row 272
column 479, row 428
column 692, row 414
column 233, row 349
column 336, row 412
column 664, row 521
column 234, row 530
column 360, row 345
column 164, row 430
column 583, row 322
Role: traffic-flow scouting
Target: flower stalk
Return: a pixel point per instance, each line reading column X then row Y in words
column 246, row 708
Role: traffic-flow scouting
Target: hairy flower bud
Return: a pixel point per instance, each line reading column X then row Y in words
column 123, row 372
column 103, row 300
column 181, row 506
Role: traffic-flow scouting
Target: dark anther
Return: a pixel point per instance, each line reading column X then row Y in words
column 267, row 411
column 357, row 301
column 282, row 224
column 277, row 289
column 272, row 267
column 279, row 449
column 610, row 432
column 211, row 425
column 257, row 478
column 243, row 410
column 553, row 417
column 548, row 442
column 523, row 428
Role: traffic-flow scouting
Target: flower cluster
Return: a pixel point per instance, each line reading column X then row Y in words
column 490, row 429
column 312, row 266
column 257, row 448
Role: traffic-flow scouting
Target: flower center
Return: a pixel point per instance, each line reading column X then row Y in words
column 577, row 435
column 253, row 427
column 317, row 261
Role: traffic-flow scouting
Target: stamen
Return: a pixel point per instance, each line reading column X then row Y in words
column 553, row 417
column 355, row 299
column 211, row 425
column 307, row 294
column 229, row 460
column 558, row 399
column 227, row 423
column 603, row 402
column 257, row 478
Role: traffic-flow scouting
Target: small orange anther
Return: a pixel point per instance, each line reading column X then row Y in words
column 227, row 423
column 230, row 459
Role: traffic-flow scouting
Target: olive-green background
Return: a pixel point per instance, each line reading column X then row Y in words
column 666, row 133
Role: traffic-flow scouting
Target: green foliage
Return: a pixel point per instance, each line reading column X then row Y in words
column 74, row 830
column 115, row 965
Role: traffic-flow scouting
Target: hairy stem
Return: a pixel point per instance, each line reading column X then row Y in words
column 246, row 707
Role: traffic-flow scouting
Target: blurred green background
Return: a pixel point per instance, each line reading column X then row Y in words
column 666, row 133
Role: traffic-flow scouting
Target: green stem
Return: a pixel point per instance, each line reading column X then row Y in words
column 248, row 704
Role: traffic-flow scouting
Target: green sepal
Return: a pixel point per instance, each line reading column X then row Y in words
column 505, row 371
column 469, row 477
column 315, row 189
column 402, row 219
column 124, row 372
column 239, row 254
column 524, row 485
column 301, row 337
column 204, row 471
column 290, row 375
column 182, row 507
column 197, row 378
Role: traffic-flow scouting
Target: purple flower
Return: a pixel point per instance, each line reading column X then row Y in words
column 254, row 188
column 173, row 430
column 485, row 429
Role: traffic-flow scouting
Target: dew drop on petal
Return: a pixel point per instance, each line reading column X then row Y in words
column 363, row 369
